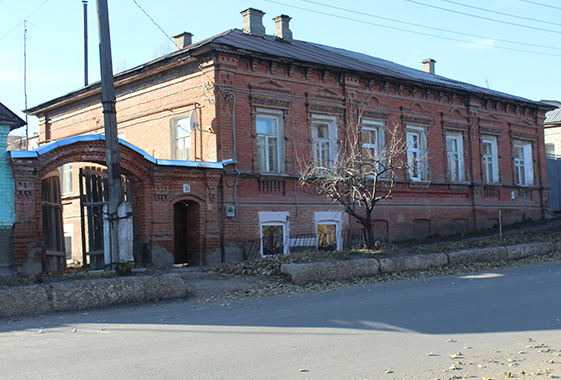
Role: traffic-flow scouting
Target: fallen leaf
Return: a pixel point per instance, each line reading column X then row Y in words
column 303, row 370
column 387, row 371
column 451, row 341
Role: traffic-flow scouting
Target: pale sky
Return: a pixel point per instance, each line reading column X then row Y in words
column 513, row 46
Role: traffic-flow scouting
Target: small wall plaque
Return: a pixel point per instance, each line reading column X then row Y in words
column 186, row 188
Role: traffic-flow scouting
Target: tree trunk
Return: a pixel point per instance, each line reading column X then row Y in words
column 370, row 238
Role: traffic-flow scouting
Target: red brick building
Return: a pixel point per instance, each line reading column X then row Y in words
column 212, row 134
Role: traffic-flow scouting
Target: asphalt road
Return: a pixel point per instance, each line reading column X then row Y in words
column 490, row 325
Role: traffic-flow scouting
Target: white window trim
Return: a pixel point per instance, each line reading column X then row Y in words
column 461, row 166
column 174, row 123
column 333, row 134
column 278, row 115
column 495, row 156
column 69, row 231
column 423, row 167
column 330, row 217
column 528, row 162
column 274, row 218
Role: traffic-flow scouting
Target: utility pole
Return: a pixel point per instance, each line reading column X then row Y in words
column 85, row 2
column 110, row 120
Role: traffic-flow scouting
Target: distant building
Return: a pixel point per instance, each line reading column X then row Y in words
column 552, row 131
column 8, row 122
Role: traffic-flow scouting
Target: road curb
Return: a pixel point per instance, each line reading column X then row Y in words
column 314, row 272
column 88, row 293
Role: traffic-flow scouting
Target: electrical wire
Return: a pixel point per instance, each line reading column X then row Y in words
column 540, row 4
column 500, row 13
column 155, row 23
column 407, row 30
column 428, row 27
column 22, row 21
column 483, row 17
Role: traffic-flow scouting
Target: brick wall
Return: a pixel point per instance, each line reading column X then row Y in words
column 227, row 91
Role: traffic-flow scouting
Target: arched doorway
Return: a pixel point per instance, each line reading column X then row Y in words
column 186, row 233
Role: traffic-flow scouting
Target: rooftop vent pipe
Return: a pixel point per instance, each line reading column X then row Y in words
column 253, row 22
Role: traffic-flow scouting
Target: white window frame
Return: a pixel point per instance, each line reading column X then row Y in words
column 492, row 159
column 66, row 180
column 320, row 143
column 330, row 217
column 182, row 142
column 274, row 218
column 419, row 171
column 263, row 141
column 525, row 163
column 377, row 148
column 69, row 232
column 456, row 175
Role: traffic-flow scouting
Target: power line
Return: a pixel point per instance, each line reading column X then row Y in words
column 155, row 23
column 22, row 21
column 540, row 4
column 428, row 27
column 500, row 13
column 483, row 17
column 407, row 30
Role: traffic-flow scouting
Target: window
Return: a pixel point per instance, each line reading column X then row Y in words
column 455, row 156
column 324, row 134
column 327, row 237
column 66, row 179
column 523, row 168
column 182, row 139
column 68, row 232
column 371, row 143
column 490, row 160
column 328, row 226
column 269, row 140
column 274, row 232
column 273, row 239
column 416, row 151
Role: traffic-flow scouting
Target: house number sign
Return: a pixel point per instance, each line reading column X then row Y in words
column 186, row 188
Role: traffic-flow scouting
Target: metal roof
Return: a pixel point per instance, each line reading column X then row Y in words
column 317, row 54
column 10, row 118
column 299, row 53
column 553, row 117
column 72, row 140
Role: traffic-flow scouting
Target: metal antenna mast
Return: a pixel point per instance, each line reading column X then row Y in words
column 25, row 81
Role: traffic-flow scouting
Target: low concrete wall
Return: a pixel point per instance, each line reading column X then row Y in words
column 88, row 293
column 399, row 264
column 315, row 272
column 322, row 271
column 478, row 255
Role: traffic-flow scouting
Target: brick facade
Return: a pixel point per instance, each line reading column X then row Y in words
column 228, row 90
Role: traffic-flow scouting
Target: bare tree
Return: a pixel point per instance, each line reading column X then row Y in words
column 363, row 173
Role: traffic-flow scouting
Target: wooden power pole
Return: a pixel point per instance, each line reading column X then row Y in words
column 110, row 120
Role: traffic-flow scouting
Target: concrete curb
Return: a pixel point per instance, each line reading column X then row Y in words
column 322, row 271
column 88, row 293
column 399, row 264
column 314, row 272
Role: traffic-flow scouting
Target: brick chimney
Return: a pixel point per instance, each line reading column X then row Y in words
column 282, row 30
column 428, row 65
column 253, row 22
column 182, row 41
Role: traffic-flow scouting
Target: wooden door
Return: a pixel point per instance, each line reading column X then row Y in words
column 53, row 232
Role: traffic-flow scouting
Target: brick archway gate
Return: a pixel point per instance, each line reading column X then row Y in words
column 31, row 168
